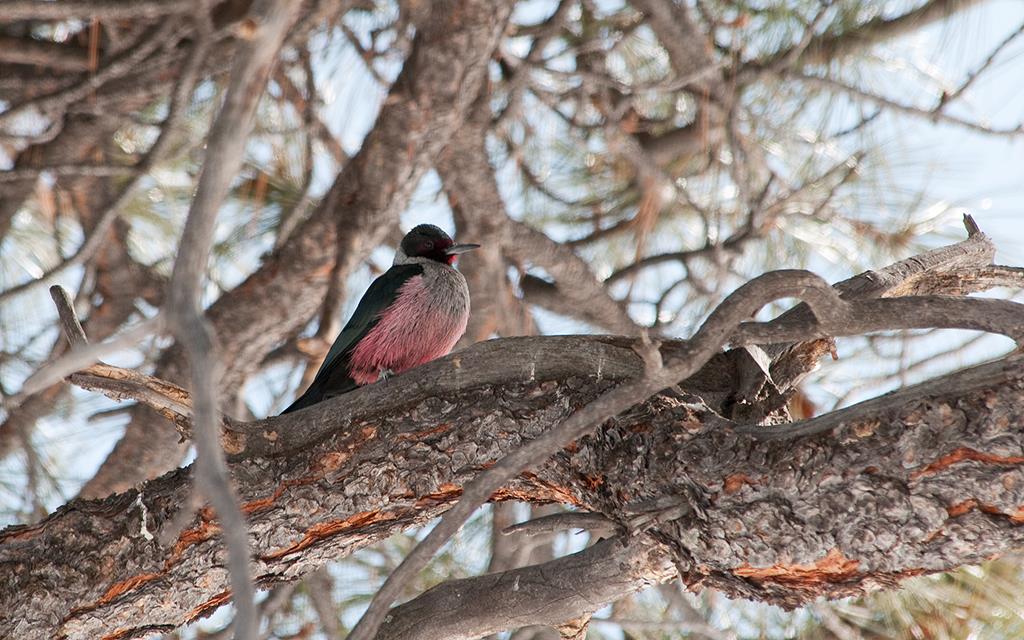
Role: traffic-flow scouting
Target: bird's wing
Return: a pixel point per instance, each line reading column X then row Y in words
column 332, row 377
column 382, row 292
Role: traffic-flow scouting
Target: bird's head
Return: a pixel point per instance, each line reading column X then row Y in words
column 429, row 241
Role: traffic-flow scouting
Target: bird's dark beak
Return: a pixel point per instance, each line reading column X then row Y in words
column 456, row 249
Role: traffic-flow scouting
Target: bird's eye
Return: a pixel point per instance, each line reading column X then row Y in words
column 428, row 245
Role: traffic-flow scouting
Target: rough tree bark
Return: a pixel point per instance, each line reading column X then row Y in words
column 918, row 481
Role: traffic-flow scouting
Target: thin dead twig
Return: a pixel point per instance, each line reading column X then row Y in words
column 68, row 318
column 86, row 354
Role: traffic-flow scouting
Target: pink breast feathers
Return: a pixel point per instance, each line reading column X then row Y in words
column 413, row 330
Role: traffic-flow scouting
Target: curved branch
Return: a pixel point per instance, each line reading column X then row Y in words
column 545, row 594
column 226, row 142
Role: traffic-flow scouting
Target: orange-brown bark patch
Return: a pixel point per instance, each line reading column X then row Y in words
column 209, row 606
column 115, row 590
column 261, row 504
column 834, row 567
column 120, row 634
column 420, row 435
column 735, row 482
column 445, row 493
column 331, row 462
column 125, row 586
column 21, row 532
column 962, row 454
column 549, row 492
column 325, row 530
column 189, row 537
column 961, row 508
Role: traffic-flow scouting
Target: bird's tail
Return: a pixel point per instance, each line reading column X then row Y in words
column 320, row 390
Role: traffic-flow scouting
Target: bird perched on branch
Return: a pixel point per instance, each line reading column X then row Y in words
column 414, row 312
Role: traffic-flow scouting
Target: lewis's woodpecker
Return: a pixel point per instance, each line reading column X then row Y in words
column 414, row 312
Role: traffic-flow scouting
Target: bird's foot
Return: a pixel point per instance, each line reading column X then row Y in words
column 385, row 374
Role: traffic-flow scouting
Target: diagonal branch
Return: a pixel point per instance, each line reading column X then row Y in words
column 830, row 46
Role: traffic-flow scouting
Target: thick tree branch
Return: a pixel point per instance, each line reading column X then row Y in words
column 355, row 486
column 355, row 464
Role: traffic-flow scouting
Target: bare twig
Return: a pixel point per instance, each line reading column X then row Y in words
column 91, row 170
column 923, row 112
column 909, row 312
column 68, row 318
column 118, row 383
column 87, row 354
column 948, row 97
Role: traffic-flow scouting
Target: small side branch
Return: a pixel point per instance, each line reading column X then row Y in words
column 68, row 318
